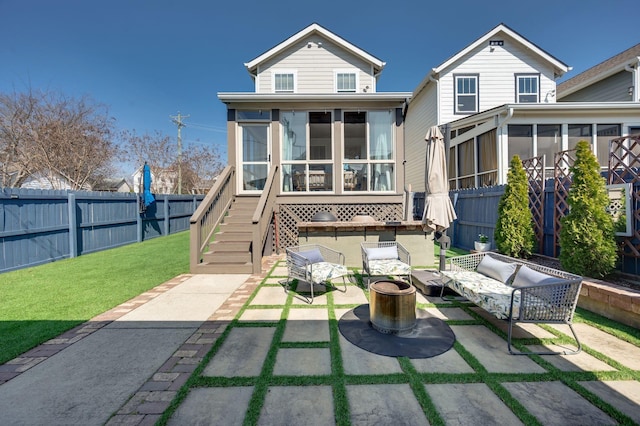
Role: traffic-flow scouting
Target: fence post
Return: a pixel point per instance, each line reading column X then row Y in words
column 166, row 215
column 138, row 219
column 73, row 223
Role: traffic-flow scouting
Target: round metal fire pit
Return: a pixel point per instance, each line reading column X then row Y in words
column 392, row 306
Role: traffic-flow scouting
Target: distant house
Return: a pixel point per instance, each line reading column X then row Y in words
column 497, row 98
column 113, row 185
column 616, row 79
column 49, row 179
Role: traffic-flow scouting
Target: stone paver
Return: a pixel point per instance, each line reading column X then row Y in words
column 213, row 406
column 623, row 352
column 470, row 404
column 384, row 405
column 307, row 325
column 448, row 362
column 449, row 313
column 242, row 353
column 261, row 315
column 520, row 330
column 270, row 296
column 298, row 405
column 491, row 350
column 303, row 362
column 581, row 361
column 623, row 395
column 554, row 403
column 352, row 296
column 359, row 361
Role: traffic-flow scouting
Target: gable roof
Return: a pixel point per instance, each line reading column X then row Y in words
column 601, row 71
column 313, row 29
column 559, row 67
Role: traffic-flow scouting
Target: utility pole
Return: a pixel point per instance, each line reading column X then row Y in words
column 177, row 120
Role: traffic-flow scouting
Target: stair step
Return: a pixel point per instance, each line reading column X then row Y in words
column 230, row 246
column 225, row 257
column 240, row 227
column 234, row 236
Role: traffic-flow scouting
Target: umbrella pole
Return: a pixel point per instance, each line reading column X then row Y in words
column 444, row 245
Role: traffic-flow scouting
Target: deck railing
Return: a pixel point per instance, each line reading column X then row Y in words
column 262, row 217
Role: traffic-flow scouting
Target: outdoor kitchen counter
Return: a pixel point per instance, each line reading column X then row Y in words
column 347, row 236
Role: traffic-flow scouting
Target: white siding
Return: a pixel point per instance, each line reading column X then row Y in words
column 315, row 67
column 496, row 76
column 421, row 116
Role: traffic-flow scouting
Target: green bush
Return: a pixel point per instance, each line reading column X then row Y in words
column 514, row 229
column 587, row 239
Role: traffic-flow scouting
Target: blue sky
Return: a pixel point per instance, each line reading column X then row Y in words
column 148, row 60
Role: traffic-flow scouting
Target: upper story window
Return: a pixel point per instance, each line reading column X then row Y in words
column 284, row 82
column 527, row 88
column 466, row 94
column 346, row 81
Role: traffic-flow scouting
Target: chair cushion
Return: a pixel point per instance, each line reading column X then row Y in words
column 313, row 255
column 528, row 277
column 325, row 271
column 388, row 267
column 377, row 253
column 496, row 269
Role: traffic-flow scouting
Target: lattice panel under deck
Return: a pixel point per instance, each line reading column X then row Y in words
column 291, row 214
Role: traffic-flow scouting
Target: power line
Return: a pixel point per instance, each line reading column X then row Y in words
column 177, row 120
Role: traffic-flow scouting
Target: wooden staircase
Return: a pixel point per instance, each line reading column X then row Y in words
column 230, row 250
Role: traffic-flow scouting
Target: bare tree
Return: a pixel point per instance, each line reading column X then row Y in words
column 55, row 136
column 200, row 163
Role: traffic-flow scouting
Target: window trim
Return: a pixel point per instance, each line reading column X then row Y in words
column 277, row 72
column 456, row 111
column 517, row 88
column 353, row 72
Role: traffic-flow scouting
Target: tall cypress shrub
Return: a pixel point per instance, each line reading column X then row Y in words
column 587, row 239
column 514, row 229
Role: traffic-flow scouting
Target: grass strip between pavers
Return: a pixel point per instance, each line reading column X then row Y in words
column 339, row 380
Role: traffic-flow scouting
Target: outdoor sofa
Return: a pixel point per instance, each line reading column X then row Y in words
column 515, row 290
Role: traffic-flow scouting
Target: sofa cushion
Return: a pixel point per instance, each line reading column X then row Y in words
column 528, row 277
column 496, row 269
column 379, row 253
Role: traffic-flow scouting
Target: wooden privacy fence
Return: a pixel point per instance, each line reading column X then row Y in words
column 40, row 226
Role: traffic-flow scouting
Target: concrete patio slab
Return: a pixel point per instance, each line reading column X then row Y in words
column 470, row 404
column 89, row 380
column 449, row 313
column 491, row 350
column 353, row 296
column 303, row 362
column 298, row 405
column 623, row 352
column 520, row 330
column 261, row 315
column 384, row 405
column 359, row 361
column 280, row 271
column 448, row 362
column 307, row 325
column 270, row 296
column 248, row 344
column 213, row 406
column 579, row 362
column 622, row 394
column 554, row 403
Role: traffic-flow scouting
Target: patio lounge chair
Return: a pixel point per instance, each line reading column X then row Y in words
column 383, row 258
column 315, row 264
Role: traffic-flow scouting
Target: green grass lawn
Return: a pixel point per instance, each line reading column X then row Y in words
column 39, row 303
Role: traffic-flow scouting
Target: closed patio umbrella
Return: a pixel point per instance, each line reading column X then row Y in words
column 438, row 209
column 147, row 196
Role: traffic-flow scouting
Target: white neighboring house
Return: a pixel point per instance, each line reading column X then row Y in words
column 163, row 181
column 497, row 98
column 48, row 179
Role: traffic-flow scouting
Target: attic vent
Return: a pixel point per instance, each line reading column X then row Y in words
column 496, row 42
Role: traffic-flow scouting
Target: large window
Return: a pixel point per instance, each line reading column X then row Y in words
column 466, row 94
column 527, row 88
column 520, row 141
column 549, row 142
column 577, row 133
column 466, row 164
column 284, row 82
column 346, row 81
column 487, row 159
column 606, row 132
column 368, row 151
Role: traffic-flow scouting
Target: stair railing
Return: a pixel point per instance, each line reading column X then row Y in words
column 262, row 217
column 209, row 215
